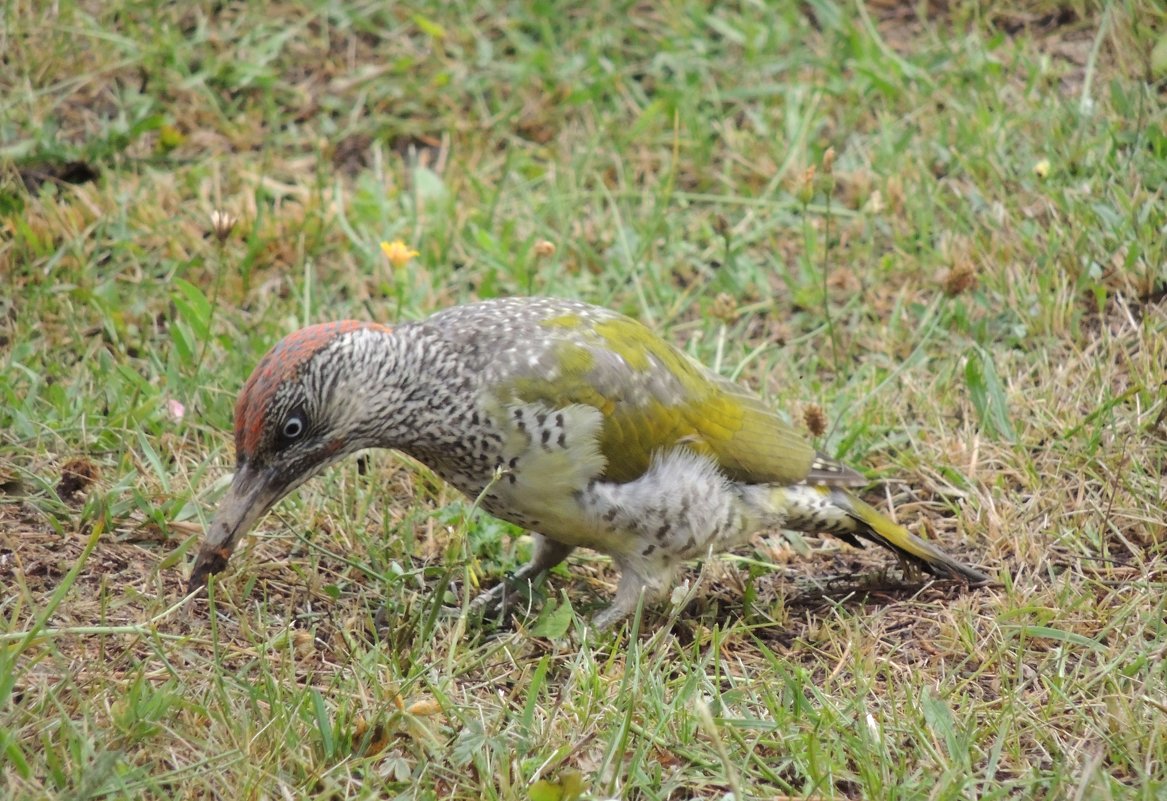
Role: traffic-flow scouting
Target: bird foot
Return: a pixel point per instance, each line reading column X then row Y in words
column 512, row 594
column 609, row 616
column 629, row 592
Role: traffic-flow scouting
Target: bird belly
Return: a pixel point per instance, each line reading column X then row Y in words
column 548, row 459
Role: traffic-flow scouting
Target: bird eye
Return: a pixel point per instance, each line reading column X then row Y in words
column 293, row 426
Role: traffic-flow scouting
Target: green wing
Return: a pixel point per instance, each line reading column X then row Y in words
column 653, row 397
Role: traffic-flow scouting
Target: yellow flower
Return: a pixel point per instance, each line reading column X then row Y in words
column 398, row 253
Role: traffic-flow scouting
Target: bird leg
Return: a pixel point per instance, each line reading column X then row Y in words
column 500, row 599
column 631, row 586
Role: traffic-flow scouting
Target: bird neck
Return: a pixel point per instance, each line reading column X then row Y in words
column 417, row 392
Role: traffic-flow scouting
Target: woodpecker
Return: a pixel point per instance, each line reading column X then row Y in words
column 572, row 421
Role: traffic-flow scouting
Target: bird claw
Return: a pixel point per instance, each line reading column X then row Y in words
column 448, row 612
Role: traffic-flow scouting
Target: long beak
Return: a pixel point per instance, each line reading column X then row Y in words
column 252, row 493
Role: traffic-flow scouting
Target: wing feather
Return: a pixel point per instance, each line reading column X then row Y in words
column 653, row 397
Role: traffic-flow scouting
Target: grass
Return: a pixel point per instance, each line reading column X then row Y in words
column 943, row 225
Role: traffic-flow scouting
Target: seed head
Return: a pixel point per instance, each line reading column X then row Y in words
column 724, row 307
column 222, row 223
column 815, row 419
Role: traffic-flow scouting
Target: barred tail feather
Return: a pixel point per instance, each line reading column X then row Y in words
column 834, row 510
column 878, row 528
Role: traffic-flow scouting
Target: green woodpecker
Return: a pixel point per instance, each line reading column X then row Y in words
column 572, row 421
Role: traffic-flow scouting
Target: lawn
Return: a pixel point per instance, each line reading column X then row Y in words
column 933, row 234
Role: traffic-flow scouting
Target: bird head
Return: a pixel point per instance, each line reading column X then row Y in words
column 299, row 411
